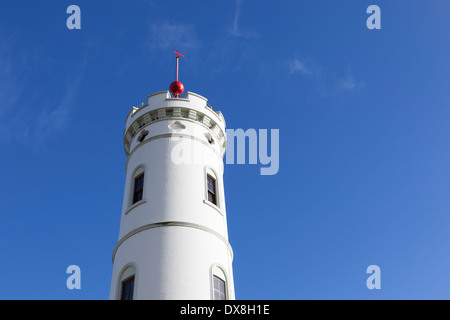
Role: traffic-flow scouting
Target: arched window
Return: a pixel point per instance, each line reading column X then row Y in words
column 126, row 285
column 138, row 188
column 219, row 289
column 219, row 283
column 212, row 192
column 127, row 289
column 137, row 185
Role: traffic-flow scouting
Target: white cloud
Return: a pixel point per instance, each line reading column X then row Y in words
column 173, row 36
column 32, row 122
column 11, row 90
column 323, row 83
column 54, row 120
column 235, row 30
column 349, row 83
column 298, row 66
column 27, row 118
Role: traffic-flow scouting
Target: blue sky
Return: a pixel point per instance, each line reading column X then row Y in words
column 364, row 139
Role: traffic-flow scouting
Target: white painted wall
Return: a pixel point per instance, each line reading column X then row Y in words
column 174, row 238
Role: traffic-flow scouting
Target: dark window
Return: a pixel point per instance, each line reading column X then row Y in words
column 143, row 134
column 127, row 289
column 219, row 289
column 138, row 188
column 212, row 190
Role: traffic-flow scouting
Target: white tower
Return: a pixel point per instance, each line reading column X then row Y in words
column 173, row 238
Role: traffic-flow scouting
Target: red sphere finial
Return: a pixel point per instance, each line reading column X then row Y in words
column 176, row 88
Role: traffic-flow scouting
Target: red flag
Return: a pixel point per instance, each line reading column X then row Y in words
column 178, row 53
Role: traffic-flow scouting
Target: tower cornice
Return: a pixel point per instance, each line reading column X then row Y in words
column 162, row 106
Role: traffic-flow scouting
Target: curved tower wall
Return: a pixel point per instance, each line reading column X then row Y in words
column 172, row 239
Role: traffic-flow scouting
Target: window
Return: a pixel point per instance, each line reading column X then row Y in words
column 219, row 289
column 127, row 289
column 142, row 136
column 219, row 284
column 211, row 189
column 209, row 138
column 138, row 188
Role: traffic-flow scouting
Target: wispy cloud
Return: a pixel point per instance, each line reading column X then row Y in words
column 235, row 29
column 298, row 66
column 349, row 83
column 53, row 120
column 32, row 121
column 33, row 117
column 323, row 83
column 11, row 91
column 229, row 49
column 173, row 36
column 304, row 66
